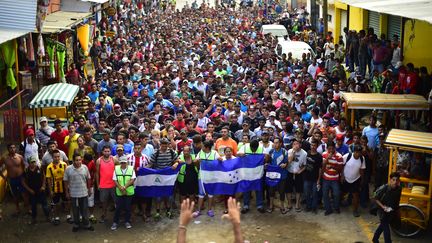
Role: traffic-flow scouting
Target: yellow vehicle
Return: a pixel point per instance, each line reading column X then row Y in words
column 410, row 154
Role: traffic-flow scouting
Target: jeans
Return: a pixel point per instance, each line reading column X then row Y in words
column 362, row 64
column 80, row 207
column 39, row 197
column 123, row 203
column 383, row 227
column 335, row 187
column 310, row 194
column 259, row 199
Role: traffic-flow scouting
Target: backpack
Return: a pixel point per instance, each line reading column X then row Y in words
column 350, row 155
column 24, row 146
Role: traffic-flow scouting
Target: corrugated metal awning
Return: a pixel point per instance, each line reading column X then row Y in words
column 95, row 1
column 366, row 101
column 55, row 95
column 9, row 34
column 413, row 9
column 405, row 138
column 62, row 20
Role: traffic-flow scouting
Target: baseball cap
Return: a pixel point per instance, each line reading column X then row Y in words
column 29, row 132
column 120, row 147
column 123, row 159
column 164, row 141
column 272, row 113
column 117, row 106
column 57, row 121
column 216, row 114
column 298, row 93
column 43, row 119
column 339, row 137
column 135, row 94
column 265, row 132
column 32, row 159
column 106, row 131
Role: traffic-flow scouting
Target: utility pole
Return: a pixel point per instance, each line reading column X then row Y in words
column 325, row 17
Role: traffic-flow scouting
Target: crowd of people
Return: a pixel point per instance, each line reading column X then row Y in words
column 176, row 88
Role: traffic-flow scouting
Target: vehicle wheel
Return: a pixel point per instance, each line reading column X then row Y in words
column 412, row 221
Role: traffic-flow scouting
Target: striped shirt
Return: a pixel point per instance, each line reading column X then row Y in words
column 162, row 160
column 138, row 162
column 334, row 166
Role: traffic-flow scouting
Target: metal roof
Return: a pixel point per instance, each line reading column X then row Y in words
column 10, row 34
column 367, row 101
column 61, row 20
column 413, row 9
column 405, row 138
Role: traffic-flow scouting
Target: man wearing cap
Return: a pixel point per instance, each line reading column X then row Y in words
column 341, row 147
column 78, row 188
column 161, row 100
column 161, row 159
column 14, row 163
column 30, row 146
column 124, row 177
column 34, row 182
column 353, row 174
column 106, row 141
column 116, row 117
column 245, row 131
column 272, row 122
column 43, row 134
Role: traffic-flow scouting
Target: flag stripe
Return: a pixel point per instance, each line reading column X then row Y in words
column 231, row 189
column 232, row 177
column 155, row 180
column 154, row 191
column 249, row 161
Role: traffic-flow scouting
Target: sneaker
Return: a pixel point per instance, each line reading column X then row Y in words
column 92, row 219
column 157, row 216
column 90, row 228
column 128, row 225
column 245, row 210
column 337, row 211
column 102, row 219
column 327, row 213
column 75, row 229
column 261, row 210
column 356, row 213
column 69, row 219
column 210, row 213
column 196, row 214
column 114, row 226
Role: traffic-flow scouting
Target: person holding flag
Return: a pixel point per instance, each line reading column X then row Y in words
column 206, row 154
column 254, row 147
column 124, row 178
column 278, row 157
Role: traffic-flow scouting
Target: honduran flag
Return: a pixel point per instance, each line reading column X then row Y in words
column 232, row 176
column 273, row 175
column 155, row 183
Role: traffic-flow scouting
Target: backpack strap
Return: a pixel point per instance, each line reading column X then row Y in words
column 348, row 158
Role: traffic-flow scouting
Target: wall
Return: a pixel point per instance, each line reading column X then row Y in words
column 54, row 6
column 417, row 41
column 358, row 18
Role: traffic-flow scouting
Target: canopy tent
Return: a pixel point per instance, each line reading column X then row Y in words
column 366, row 101
column 414, row 9
column 55, row 95
column 410, row 139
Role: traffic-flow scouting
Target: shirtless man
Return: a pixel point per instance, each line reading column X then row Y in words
column 15, row 169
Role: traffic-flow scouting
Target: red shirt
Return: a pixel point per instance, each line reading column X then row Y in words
column 60, row 137
column 181, row 144
column 92, row 169
column 334, row 166
column 179, row 125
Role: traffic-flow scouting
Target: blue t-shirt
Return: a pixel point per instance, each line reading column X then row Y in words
column 93, row 96
column 279, row 157
column 372, row 134
column 344, row 149
column 306, row 117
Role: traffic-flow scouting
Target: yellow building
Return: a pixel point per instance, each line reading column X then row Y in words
column 391, row 18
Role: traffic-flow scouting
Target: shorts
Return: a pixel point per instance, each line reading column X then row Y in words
column 91, row 198
column 57, row 196
column 106, row 193
column 16, row 186
column 351, row 187
column 280, row 188
column 294, row 182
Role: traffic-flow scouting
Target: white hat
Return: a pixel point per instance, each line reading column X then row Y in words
column 273, row 113
column 42, row 119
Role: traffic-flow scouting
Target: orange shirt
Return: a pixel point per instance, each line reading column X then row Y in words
column 326, row 131
column 221, row 144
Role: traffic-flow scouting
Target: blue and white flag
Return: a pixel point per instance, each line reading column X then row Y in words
column 273, row 175
column 232, row 176
column 155, row 183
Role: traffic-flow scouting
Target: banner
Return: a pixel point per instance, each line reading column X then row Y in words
column 232, row 176
column 273, row 175
column 155, row 183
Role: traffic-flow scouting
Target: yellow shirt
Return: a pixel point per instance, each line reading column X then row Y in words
column 56, row 172
column 72, row 145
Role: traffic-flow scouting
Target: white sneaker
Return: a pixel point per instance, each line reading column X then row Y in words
column 128, row 225
column 114, row 226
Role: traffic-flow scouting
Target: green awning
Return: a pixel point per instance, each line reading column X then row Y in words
column 55, row 95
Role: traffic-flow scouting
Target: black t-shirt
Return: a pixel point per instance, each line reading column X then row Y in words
column 34, row 178
column 313, row 164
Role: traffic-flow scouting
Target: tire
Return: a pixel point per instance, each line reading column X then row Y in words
column 407, row 228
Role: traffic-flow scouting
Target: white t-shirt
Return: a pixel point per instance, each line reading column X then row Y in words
column 266, row 150
column 352, row 168
column 298, row 162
